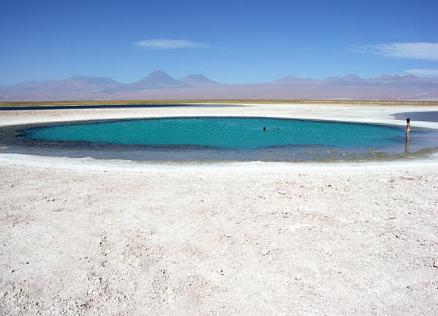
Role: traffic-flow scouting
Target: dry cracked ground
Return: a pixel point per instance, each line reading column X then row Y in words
column 218, row 242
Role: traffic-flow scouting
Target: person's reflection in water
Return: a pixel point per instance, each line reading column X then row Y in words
column 406, row 147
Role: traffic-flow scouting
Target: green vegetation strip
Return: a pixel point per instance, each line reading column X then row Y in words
column 98, row 103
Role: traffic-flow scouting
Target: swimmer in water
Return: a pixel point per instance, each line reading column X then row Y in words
column 408, row 129
column 264, row 129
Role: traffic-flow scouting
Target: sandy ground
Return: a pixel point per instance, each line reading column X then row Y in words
column 89, row 237
column 354, row 113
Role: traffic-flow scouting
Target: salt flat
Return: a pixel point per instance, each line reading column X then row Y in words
column 84, row 236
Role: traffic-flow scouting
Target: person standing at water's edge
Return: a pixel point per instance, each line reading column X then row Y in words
column 408, row 129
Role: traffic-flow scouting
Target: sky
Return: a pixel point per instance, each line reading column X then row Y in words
column 228, row 41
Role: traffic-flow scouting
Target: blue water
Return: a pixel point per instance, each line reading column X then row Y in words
column 425, row 116
column 223, row 133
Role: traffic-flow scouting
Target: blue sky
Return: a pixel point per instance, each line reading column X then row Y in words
column 229, row 41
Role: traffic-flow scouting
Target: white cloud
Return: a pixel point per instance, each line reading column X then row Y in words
column 423, row 72
column 163, row 43
column 411, row 50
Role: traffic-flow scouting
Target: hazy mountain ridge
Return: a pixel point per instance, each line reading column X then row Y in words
column 157, row 80
column 159, row 84
column 196, row 80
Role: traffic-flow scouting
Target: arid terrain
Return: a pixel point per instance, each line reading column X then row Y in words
column 160, row 85
column 88, row 237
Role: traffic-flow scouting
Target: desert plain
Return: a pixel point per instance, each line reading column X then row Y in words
column 112, row 237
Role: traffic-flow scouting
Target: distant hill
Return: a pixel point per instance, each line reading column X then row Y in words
column 72, row 87
column 346, row 80
column 197, row 80
column 160, row 85
column 72, row 83
column 157, row 80
column 293, row 80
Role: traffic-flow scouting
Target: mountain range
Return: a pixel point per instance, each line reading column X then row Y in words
column 160, row 85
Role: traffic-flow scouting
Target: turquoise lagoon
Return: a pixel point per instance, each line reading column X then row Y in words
column 226, row 138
